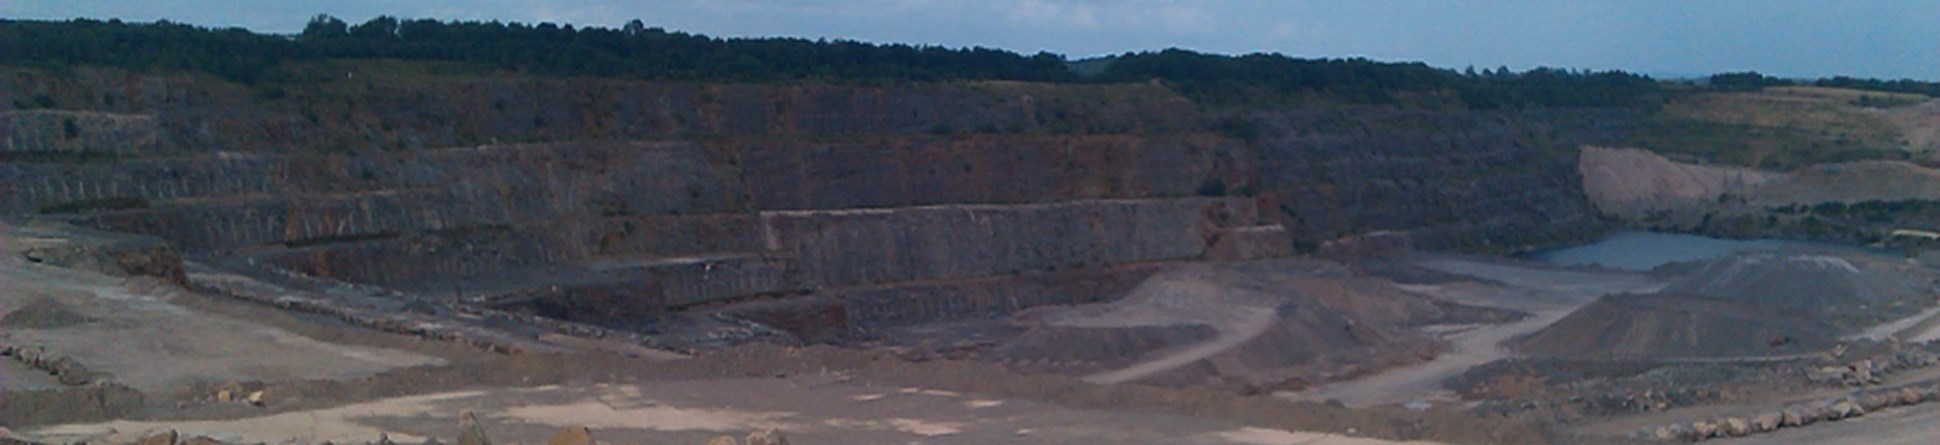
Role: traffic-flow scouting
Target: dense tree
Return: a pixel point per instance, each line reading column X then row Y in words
column 1745, row 81
column 1272, row 79
column 1894, row 86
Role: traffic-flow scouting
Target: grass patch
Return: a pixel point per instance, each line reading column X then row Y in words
column 1777, row 128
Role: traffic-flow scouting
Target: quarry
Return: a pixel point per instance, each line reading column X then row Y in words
column 402, row 257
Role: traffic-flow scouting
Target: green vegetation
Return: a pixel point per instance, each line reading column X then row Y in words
column 1910, row 86
column 631, row 52
column 1754, row 81
column 1779, row 127
column 639, row 52
column 1764, row 147
column 636, row 51
column 1278, row 80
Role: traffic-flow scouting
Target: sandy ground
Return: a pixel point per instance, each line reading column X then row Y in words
column 1249, row 324
column 811, row 409
column 1191, row 296
column 329, row 381
column 141, row 332
column 1547, row 294
column 1423, row 382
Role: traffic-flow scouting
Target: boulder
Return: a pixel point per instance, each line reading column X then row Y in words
column 1794, row 416
column 1737, row 427
column 164, row 437
column 1910, row 396
column 1701, row 430
column 1845, row 409
column 722, row 440
column 201, row 440
column 1767, row 422
column 769, row 436
column 1672, row 432
column 572, row 435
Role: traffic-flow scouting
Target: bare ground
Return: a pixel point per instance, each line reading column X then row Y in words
column 323, row 379
column 1546, row 293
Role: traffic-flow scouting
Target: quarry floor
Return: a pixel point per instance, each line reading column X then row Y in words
column 1546, row 295
column 324, row 380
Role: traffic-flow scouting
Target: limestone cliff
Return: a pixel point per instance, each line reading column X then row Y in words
column 882, row 204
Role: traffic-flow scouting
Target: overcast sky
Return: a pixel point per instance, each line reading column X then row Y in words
column 1793, row 38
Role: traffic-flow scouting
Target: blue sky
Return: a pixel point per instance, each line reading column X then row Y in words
column 1794, row 38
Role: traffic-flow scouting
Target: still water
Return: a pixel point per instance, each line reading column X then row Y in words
column 1646, row 250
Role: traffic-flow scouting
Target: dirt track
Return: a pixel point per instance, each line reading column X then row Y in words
column 1547, row 294
column 810, row 408
column 1249, row 325
column 1423, row 382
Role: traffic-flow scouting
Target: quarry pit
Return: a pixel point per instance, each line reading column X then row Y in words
column 821, row 260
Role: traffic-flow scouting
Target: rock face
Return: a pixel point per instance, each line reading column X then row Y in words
column 1629, row 181
column 57, row 131
column 1857, row 202
column 632, row 200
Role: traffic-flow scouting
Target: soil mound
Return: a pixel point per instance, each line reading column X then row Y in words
column 1675, row 326
column 1749, row 304
column 1848, row 290
column 43, row 313
column 1257, row 324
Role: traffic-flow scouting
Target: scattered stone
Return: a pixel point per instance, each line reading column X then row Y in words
column 1668, row 433
column 470, row 432
column 255, row 398
column 769, row 436
column 1703, row 430
column 572, row 435
column 164, row 437
column 722, row 440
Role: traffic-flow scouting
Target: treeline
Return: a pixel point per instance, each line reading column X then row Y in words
column 641, row 52
column 1273, row 79
column 1753, row 80
column 634, row 51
